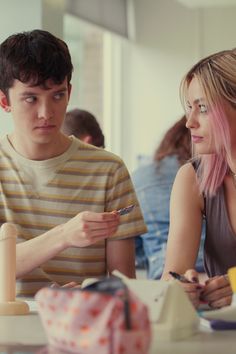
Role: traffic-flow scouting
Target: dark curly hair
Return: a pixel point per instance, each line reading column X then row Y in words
column 35, row 56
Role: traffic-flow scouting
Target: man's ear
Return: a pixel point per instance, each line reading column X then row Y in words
column 87, row 139
column 69, row 90
column 4, row 102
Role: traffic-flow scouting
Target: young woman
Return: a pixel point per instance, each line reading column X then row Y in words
column 153, row 183
column 207, row 186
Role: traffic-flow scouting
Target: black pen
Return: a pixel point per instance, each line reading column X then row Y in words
column 179, row 277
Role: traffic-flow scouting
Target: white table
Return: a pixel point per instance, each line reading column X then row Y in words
column 25, row 335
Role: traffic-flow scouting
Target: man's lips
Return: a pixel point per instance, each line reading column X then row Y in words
column 49, row 126
column 196, row 139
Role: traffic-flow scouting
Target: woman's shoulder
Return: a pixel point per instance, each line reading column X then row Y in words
column 186, row 185
column 187, row 170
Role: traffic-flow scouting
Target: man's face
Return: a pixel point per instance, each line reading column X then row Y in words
column 37, row 112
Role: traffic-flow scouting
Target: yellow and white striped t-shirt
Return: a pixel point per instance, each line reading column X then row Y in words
column 39, row 195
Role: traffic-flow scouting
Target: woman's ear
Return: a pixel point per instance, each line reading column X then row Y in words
column 4, row 102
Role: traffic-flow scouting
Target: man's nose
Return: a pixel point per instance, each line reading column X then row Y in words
column 45, row 111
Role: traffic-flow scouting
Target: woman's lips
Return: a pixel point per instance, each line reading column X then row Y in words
column 197, row 139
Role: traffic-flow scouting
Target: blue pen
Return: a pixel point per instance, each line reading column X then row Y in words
column 222, row 325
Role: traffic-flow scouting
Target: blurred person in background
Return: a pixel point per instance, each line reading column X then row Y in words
column 83, row 125
column 153, row 183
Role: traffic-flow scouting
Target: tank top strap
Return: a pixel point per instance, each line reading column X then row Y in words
column 195, row 163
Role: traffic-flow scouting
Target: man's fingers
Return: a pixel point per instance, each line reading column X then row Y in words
column 98, row 217
column 96, row 226
column 103, row 233
column 72, row 284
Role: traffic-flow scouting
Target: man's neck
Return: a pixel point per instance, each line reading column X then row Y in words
column 40, row 152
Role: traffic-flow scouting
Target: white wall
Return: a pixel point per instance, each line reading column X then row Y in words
column 219, row 29
column 25, row 15
column 170, row 38
column 16, row 16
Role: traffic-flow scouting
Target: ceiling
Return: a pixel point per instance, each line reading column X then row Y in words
column 207, row 3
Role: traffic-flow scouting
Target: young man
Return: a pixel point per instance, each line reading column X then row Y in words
column 61, row 193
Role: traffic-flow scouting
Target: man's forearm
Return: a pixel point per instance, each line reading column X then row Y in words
column 82, row 230
column 121, row 256
column 31, row 254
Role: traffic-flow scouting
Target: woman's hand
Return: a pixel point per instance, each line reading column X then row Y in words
column 191, row 285
column 217, row 292
column 193, row 288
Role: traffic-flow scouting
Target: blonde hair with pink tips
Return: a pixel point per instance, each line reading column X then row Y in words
column 216, row 75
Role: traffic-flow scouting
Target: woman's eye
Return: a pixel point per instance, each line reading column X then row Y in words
column 188, row 109
column 202, row 108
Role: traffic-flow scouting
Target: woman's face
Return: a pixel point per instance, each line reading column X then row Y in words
column 230, row 112
column 198, row 119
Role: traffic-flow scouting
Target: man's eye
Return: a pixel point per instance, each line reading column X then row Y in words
column 30, row 99
column 59, row 95
column 202, row 108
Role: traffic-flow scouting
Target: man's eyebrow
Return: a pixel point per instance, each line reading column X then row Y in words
column 28, row 93
column 34, row 93
column 62, row 89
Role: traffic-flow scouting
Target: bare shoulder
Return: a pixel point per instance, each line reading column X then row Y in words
column 187, row 171
column 186, row 186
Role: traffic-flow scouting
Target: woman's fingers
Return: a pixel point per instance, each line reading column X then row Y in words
column 217, row 291
column 193, row 291
column 192, row 275
column 225, row 301
column 217, row 284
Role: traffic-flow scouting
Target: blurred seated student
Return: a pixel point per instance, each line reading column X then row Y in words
column 153, row 183
column 207, row 186
column 83, row 125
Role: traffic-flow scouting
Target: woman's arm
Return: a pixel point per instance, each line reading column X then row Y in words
column 186, row 206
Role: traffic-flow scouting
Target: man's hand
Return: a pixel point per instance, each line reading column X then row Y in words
column 70, row 285
column 89, row 227
column 85, row 229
